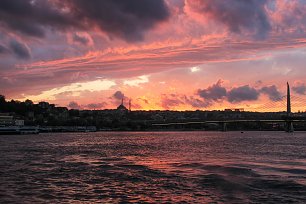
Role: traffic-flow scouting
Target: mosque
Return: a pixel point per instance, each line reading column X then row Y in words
column 121, row 107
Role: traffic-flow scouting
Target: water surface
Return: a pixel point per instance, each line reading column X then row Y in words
column 148, row 167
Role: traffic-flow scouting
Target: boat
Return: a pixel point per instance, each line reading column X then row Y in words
column 17, row 130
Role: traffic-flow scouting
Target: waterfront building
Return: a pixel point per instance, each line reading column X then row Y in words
column 6, row 119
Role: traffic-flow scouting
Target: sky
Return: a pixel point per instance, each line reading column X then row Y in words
column 160, row 54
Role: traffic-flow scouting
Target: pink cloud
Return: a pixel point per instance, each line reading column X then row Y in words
column 238, row 41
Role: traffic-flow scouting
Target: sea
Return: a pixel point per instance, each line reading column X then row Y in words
column 153, row 167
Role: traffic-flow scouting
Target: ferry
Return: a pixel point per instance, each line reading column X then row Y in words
column 19, row 130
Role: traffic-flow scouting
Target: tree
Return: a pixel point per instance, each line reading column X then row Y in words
column 28, row 102
column 2, row 99
column 2, row 103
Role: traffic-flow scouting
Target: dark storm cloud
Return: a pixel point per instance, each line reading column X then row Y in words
column 214, row 92
column 242, row 93
column 20, row 50
column 293, row 15
column 118, row 95
column 30, row 17
column 91, row 106
column 217, row 93
column 96, row 105
column 168, row 103
column 127, row 19
column 74, row 105
column 237, row 15
column 299, row 88
column 197, row 103
column 80, row 39
column 272, row 92
column 3, row 49
column 175, row 100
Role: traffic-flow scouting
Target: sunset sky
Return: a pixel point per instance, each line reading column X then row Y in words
column 161, row 54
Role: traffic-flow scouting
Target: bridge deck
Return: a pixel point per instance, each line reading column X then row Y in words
column 227, row 121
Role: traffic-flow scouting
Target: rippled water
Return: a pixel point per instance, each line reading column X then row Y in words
column 161, row 167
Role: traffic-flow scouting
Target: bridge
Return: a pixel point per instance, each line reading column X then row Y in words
column 288, row 119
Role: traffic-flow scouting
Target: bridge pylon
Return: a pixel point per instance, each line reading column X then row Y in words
column 224, row 127
column 289, row 124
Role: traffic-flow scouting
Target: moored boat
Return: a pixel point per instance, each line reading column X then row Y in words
column 16, row 130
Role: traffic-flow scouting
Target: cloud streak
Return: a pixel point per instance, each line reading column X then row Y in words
column 20, row 50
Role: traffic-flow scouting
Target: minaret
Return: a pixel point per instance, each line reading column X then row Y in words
column 122, row 101
column 130, row 104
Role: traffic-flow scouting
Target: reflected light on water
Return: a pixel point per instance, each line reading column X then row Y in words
column 148, row 167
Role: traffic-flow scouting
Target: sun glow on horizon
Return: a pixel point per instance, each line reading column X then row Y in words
column 74, row 89
column 195, row 69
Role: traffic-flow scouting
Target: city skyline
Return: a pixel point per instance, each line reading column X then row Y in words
column 126, row 105
column 163, row 54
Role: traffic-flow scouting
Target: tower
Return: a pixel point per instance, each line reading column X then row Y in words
column 130, row 104
column 289, row 124
column 288, row 101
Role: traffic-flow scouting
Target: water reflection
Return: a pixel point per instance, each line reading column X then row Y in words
column 186, row 167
